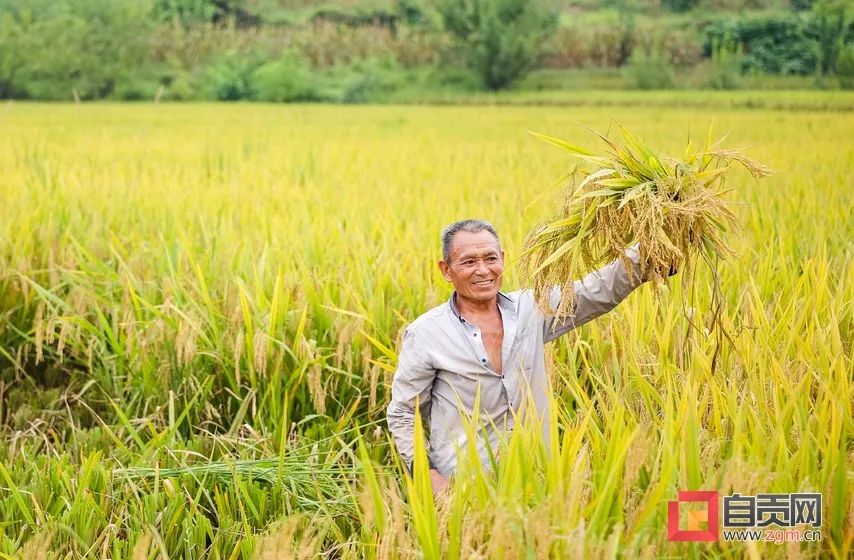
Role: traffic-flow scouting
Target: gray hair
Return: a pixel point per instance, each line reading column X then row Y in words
column 471, row 226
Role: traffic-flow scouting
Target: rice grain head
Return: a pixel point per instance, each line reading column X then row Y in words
column 674, row 208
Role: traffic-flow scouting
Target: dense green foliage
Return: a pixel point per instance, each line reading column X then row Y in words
column 845, row 66
column 499, row 39
column 648, row 70
column 828, row 29
column 248, row 49
column 288, row 78
column 87, row 48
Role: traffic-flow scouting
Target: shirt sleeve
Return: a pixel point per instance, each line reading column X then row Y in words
column 597, row 293
column 413, row 381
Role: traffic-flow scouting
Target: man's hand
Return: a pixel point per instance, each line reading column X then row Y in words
column 439, row 482
column 674, row 269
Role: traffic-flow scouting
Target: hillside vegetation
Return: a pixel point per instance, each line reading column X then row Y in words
column 351, row 52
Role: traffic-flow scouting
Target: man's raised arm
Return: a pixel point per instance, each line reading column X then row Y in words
column 597, row 293
column 413, row 381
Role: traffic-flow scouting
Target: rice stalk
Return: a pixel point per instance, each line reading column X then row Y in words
column 310, row 484
column 675, row 208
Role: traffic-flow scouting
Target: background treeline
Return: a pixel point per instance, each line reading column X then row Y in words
column 348, row 51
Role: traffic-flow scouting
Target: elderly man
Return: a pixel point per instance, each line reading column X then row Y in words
column 483, row 340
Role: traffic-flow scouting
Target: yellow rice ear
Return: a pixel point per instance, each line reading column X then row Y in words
column 674, row 207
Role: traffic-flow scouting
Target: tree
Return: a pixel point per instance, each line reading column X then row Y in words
column 56, row 49
column 499, row 39
column 827, row 29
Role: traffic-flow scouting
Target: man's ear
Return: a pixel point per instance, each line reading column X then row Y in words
column 445, row 270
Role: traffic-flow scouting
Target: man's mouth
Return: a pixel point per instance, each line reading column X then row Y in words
column 483, row 283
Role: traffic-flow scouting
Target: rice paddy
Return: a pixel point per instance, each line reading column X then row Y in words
column 200, row 307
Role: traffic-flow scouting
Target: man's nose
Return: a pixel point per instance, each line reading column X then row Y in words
column 482, row 269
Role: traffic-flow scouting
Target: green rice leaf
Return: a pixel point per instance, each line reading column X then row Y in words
column 562, row 144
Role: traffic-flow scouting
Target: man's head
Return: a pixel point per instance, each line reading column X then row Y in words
column 472, row 259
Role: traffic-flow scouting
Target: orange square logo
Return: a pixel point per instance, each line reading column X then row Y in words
column 696, row 518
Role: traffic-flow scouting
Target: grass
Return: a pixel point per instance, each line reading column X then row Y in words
column 211, row 292
column 553, row 80
column 700, row 100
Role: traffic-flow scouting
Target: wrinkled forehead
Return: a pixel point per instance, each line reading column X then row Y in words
column 479, row 244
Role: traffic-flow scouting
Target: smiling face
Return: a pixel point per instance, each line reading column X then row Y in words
column 476, row 266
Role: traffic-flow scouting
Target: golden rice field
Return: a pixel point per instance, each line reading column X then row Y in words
column 200, row 307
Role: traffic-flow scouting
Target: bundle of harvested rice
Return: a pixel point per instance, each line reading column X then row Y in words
column 674, row 208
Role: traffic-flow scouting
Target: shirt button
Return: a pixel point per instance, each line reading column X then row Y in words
column 483, row 360
column 475, row 334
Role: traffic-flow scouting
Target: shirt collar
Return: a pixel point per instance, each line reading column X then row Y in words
column 504, row 302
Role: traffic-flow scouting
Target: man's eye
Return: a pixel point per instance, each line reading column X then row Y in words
column 492, row 259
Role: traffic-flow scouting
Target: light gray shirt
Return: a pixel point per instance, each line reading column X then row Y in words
column 443, row 365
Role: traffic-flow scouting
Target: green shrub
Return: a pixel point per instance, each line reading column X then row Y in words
column 135, row 87
column 801, row 5
column 11, row 56
column 229, row 78
column 184, row 12
column 723, row 71
column 370, row 80
column 845, row 67
column 183, row 86
column 412, row 12
column 191, row 12
column 290, row 78
column 648, row 70
column 827, row 29
column 773, row 44
column 679, row 5
column 499, row 39
column 179, row 83
column 363, row 81
column 59, row 48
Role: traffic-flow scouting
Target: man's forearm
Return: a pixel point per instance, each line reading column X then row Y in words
column 410, row 395
column 597, row 293
column 401, row 424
